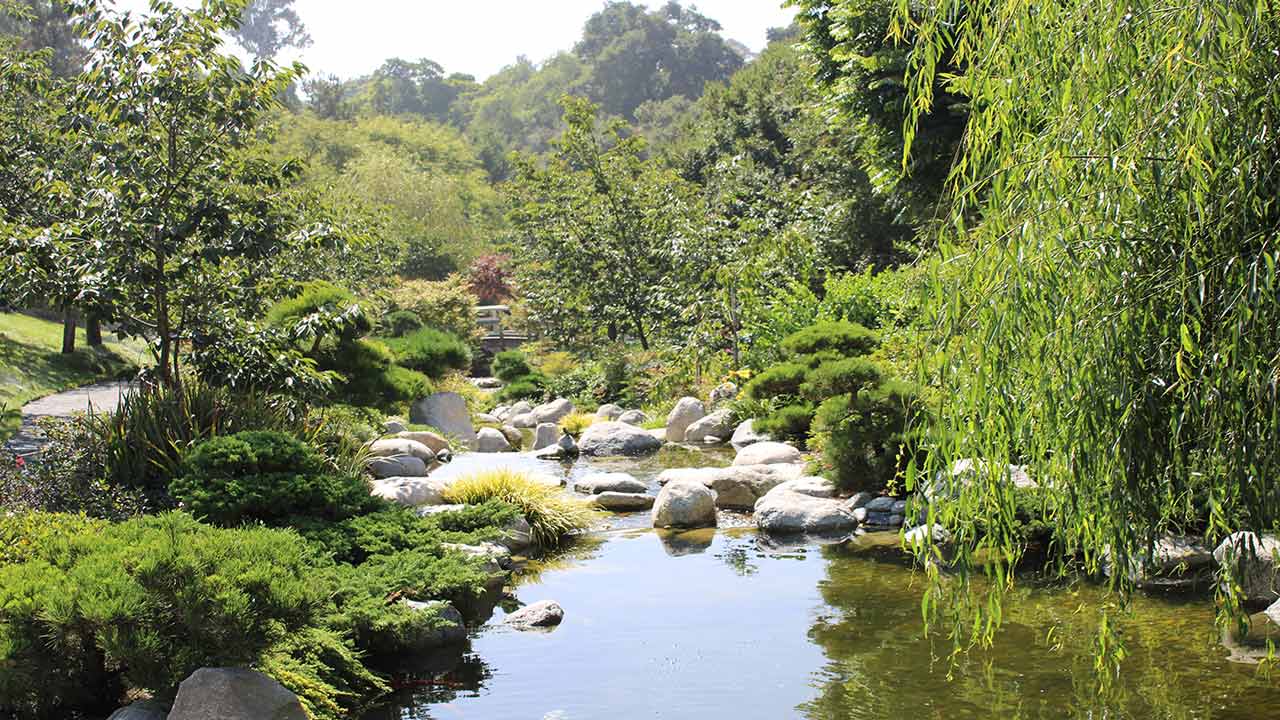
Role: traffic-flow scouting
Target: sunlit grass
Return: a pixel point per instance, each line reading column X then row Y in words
column 552, row 514
column 575, row 423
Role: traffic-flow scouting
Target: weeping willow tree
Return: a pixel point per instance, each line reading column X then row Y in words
column 1106, row 292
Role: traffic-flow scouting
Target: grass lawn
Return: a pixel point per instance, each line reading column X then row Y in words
column 31, row 365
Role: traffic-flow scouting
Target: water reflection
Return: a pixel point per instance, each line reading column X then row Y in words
column 686, row 542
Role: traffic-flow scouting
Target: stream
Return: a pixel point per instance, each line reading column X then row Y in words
column 727, row 623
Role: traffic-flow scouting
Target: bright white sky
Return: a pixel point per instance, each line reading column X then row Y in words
column 478, row 37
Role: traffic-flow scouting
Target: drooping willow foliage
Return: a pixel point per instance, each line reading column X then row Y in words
column 1106, row 296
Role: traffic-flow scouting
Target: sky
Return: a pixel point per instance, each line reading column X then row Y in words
column 475, row 37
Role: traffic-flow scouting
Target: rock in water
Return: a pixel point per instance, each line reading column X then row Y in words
column 546, row 613
column 609, row 482
column 394, row 447
column 737, row 487
column 447, row 630
column 746, row 434
column 605, row 439
column 622, row 501
column 687, row 411
column 786, row 511
column 446, row 412
column 234, row 694
column 685, row 504
column 718, row 425
column 545, row 435
column 1256, row 561
column 767, row 453
column 489, row 440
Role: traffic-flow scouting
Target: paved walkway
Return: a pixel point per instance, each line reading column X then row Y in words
column 99, row 397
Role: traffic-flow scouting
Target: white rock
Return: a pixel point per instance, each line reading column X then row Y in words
column 234, row 694
column 1256, row 562
column 545, row 435
column 767, row 453
column 521, row 407
column 633, row 417
column 488, row 419
column 965, row 471
column 717, row 425
column 552, row 412
column 610, row 439
column 446, row 412
column 608, row 411
column 737, row 487
column 395, row 447
column 785, row 511
column 524, row 420
column 812, row 486
column 921, row 534
column 399, row 466
column 687, row 411
column 686, row 504
column 430, row 439
column 502, row 412
column 489, row 440
column 745, row 434
column 622, row 501
column 410, row 491
column 1174, row 561
column 609, row 482
column 546, row 613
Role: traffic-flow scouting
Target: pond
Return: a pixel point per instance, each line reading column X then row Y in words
column 727, row 624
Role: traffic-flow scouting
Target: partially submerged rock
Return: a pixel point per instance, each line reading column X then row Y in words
column 767, row 453
column 489, row 440
column 234, row 694
column 542, row 614
column 622, row 501
column 609, row 482
column 1174, row 561
column 687, row 411
column 784, row 510
column 545, row 435
column 737, row 487
column 447, row 628
column 612, row 439
column 685, row 504
column 1254, row 563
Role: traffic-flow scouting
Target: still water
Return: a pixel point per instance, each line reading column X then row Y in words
column 726, row 624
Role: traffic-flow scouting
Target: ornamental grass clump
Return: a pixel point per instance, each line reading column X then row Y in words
column 552, row 515
column 575, row 423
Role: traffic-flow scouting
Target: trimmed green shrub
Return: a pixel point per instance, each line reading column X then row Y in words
column 511, row 365
column 839, row 378
column 321, row 309
column 846, row 338
column 267, row 477
column 400, row 323
column 787, row 423
column 527, row 388
column 431, row 351
column 370, row 375
column 396, row 529
column 862, row 435
column 778, row 381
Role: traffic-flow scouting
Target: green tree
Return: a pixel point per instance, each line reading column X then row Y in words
column 268, row 26
column 45, row 24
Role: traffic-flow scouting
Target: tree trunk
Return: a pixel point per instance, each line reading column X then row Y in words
column 93, row 330
column 644, row 341
column 161, row 290
column 68, row 329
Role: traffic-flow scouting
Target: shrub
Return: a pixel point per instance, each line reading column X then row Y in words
column 575, row 423
column 778, row 381
column 846, row 338
column 839, row 378
column 528, row 388
column 556, row 364
column 396, row 529
column 584, row 385
column 370, row 375
column 511, row 365
column 267, row 477
column 431, row 352
column 787, row 423
column 321, row 309
column 552, row 515
column 442, row 304
column 862, row 436
column 400, row 323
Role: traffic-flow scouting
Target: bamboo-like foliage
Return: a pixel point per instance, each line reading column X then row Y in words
column 1106, row 297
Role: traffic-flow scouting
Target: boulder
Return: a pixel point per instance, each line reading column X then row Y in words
column 783, row 510
column 487, row 383
column 1255, row 562
column 410, row 491
column 396, row 447
column 391, row 427
column 513, row 436
column 610, row 439
column 812, row 486
column 767, row 453
column 517, row 536
column 622, row 501
column 436, row 442
column 521, row 408
column 687, row 411
column 685, row 504
column 552, row 412
column 425, row 510
column 545, row 435
column 721, row 394
column 717, row 425
column 141, row 710
column 446, row 412
column 447, row 630
column 524, row 421
column 736, row 487
column 487, row 419
column 633, row 417
column 566, row 447
column 859, row 500
column 966, row 470
column 496, row 557
column 234, row 694
column 400, row 466
column 1175, row 561
column 609, row 482
column 745, row 434
column 608, row 411
column 923, row 533
column 502, row 412
column 489, row 440
column 546, row 613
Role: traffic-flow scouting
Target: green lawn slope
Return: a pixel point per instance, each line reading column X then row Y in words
column 31, row 365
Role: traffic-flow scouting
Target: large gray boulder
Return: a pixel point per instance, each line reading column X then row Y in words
column 609, row 411
column 520, row 408
column 552, row 412
column 545, row 435
column 564, row 449
column 609, row 482
column 685, row 504
column 785, row 511
column 1254, row 561
column 141, row 710
column 633, row 417
column 687, row 411
column 489, row 440
column 1174, row 561
column 737, row 487
column 410, row 491
column 399, row 466
column 612, row 439
column 622, row 501
column 546, row 613
column 430, row 439
column 234, row 694
column 745, row 434
column 718, row 425
column 394, row 447
column 446, row 412
column 965, row 471
column 447, row 629
column 767, row 453
column 812, row 486
column 524, row 421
